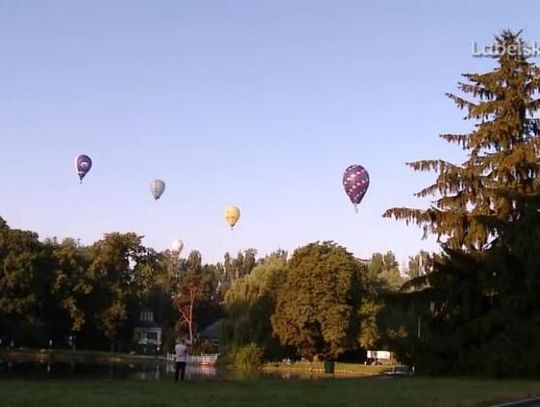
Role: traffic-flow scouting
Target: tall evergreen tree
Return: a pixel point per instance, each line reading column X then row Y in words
column 475, row 305
column 502, row 152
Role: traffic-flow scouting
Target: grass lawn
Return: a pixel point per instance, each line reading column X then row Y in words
column 356, row 369
column 322, row 392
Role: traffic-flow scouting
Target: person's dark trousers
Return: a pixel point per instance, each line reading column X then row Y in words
column 180, row 370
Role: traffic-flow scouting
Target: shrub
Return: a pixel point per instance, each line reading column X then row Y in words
column 243, row 358
column 248, row 357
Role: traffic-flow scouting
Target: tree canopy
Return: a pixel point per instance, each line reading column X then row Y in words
column 316, row 309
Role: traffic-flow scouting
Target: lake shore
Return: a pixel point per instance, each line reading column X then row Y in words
column 78, row 356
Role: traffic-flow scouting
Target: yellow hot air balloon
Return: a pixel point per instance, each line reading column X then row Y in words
column 232, row 214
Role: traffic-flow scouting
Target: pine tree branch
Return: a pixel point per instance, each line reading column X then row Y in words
column 533, row 83
column 488, row 82
column 460, row 102
column 429, row 191
column 485, row 111
column 417, row 216
column 462, row 139
column 476, row 90
column 533, row 106
column 432, row 165
column 449, row 183
column 458, row 200
column 415, row 284
column 532, row 127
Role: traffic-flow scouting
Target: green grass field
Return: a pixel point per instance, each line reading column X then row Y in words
column 353, row 369
column 270, row 392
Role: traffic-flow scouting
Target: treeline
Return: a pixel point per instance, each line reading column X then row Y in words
column 54, row 290
column 321, row 303
column 68, row 294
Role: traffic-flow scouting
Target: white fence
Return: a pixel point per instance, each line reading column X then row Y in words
column 202, row 360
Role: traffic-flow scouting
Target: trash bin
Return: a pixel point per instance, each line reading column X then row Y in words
column 329, row 366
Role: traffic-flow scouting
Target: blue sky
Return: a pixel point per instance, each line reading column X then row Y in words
column 259, row 104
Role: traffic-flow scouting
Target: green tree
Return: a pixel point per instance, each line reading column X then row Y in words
column 19, row 284
column 316, row 310
column 70, row 283
column 116, row 285
column 385, row 268
column 25, row 274
column 502, row 153
column 370, row 331
column 382, row 321
column 474, row 303
column 509, row 284
column 196, row 288
column 418, row 264
column 235, row 268
column 250, row 303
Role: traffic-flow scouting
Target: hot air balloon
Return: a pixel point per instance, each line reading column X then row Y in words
column 232, row 214
column 157, row 187
column 83, row 163
column 177, row 247
column 356, row 183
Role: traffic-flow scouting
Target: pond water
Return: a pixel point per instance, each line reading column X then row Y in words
column 144, row 370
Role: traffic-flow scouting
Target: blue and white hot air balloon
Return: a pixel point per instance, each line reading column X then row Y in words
column 83, row 163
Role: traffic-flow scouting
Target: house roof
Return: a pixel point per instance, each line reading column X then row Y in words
column 212, row 330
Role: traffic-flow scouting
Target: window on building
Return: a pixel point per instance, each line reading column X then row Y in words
column 147, row 316
column 151, row 336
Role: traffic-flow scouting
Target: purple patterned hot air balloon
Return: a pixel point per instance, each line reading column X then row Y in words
column 356, row 183
column 83, row 163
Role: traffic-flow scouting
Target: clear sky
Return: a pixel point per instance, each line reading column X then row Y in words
column 260, row 104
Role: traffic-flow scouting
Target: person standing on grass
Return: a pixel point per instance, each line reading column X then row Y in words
column 181, row 351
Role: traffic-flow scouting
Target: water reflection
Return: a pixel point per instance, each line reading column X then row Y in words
column 150, row 370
